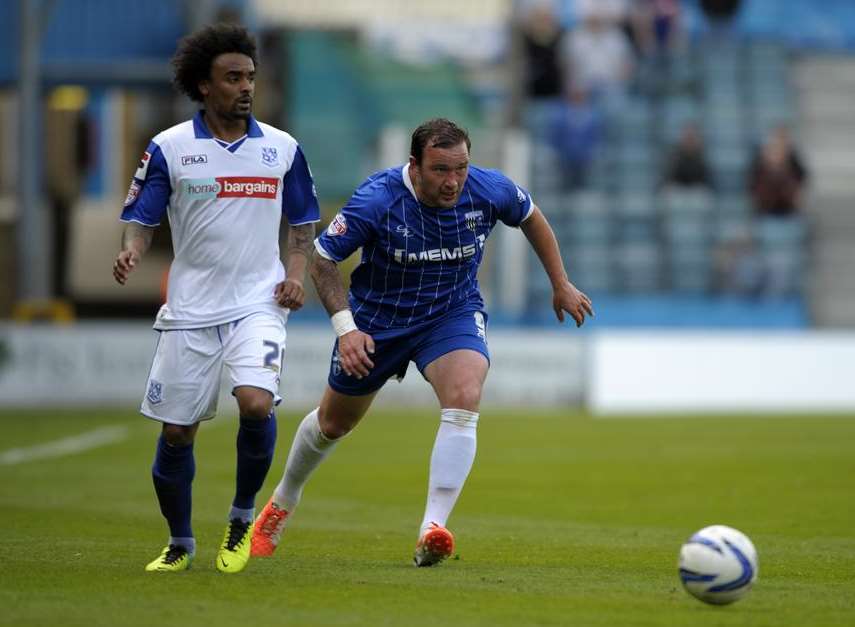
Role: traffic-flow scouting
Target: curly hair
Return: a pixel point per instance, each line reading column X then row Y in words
column 437, row 133
column 196, row 53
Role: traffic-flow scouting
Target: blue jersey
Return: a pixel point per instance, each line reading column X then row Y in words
column 418, row 262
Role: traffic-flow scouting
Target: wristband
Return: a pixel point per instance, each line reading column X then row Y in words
column 342, row 322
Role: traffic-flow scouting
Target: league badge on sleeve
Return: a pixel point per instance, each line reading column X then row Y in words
column 338, row 226
column 142, row 168
column 133, row 193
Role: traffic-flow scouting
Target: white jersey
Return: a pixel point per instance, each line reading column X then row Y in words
column 224, row 203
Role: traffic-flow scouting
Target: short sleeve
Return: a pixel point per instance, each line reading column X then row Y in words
column 512, row 201
column 299, row 200
column 148, row 195
column 353, row 226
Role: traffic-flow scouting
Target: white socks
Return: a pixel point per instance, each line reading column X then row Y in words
column 308, row 450
column 450, row 463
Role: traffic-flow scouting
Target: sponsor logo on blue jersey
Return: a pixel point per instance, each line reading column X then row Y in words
column 440, row 254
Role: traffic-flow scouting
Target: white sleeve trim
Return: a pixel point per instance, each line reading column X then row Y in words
column 530, row 211
column 323, row 253
column 306, row 222
column 137, row 221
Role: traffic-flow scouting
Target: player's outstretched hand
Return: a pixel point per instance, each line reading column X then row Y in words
column 577, row 304
column 354, row 350
column 125, row 262
column 290, row 293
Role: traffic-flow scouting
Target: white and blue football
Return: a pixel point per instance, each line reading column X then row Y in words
column 718, row 565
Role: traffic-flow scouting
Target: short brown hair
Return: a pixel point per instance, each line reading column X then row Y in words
column 437, row 133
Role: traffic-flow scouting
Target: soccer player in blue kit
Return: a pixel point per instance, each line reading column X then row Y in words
column 225, row 180
column 414, row 297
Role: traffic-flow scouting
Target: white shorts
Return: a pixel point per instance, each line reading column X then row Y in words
column 184, row 383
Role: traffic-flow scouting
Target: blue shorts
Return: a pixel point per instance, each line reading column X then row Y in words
column 422, row 343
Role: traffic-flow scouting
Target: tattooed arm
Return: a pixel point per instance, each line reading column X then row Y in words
column 136, row 240
column 329, row 285
column 290, row 292
column 354, row 346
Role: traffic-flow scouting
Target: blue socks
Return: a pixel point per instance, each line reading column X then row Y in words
column 174, row 468
column 256, row 441
column 172, row 473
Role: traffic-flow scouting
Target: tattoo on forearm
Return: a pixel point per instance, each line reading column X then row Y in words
column 328, row 285
column 300, row 239
column 135, row 231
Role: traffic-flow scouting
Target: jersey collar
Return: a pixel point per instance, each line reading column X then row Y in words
column 200, row 129
column 408, row 183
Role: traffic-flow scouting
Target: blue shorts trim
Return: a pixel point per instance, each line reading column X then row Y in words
column 422, row 344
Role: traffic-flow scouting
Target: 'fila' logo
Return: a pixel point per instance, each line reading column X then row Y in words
column 194, row 159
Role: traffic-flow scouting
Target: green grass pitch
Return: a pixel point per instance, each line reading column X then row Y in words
column 565, row 520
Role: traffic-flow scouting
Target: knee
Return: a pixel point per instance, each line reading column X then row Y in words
column 464, row 395
column 255, row 404
column 179, row 435
column 333, row 427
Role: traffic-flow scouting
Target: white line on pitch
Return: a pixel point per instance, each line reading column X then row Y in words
column 65, row 446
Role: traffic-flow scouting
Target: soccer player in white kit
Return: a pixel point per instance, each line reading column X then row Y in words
column 224, row 180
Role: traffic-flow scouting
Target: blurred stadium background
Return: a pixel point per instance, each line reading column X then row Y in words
column 732, row 290
column 721, row 288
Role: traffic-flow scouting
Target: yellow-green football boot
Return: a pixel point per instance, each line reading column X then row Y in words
column 172, row 559
column 234, row 551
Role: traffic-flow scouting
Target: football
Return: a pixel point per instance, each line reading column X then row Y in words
column 718, row 565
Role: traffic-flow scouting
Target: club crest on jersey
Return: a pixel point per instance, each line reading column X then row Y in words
column 338, row 226
column 133, row 192
column 269, row 156
column 473, row 219
column 155, row 392
column 142, row 168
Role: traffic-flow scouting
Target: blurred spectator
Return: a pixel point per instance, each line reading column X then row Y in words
column 720, row 10
column 656, row 27
column 598, row 57
column 740, row 267
column 542, row 35
column 777, row 176
column 614, row 11
column 687, row 164
column 576, row 133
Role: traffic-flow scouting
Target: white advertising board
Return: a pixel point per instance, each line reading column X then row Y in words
column 652, row 372
column 108, row 363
